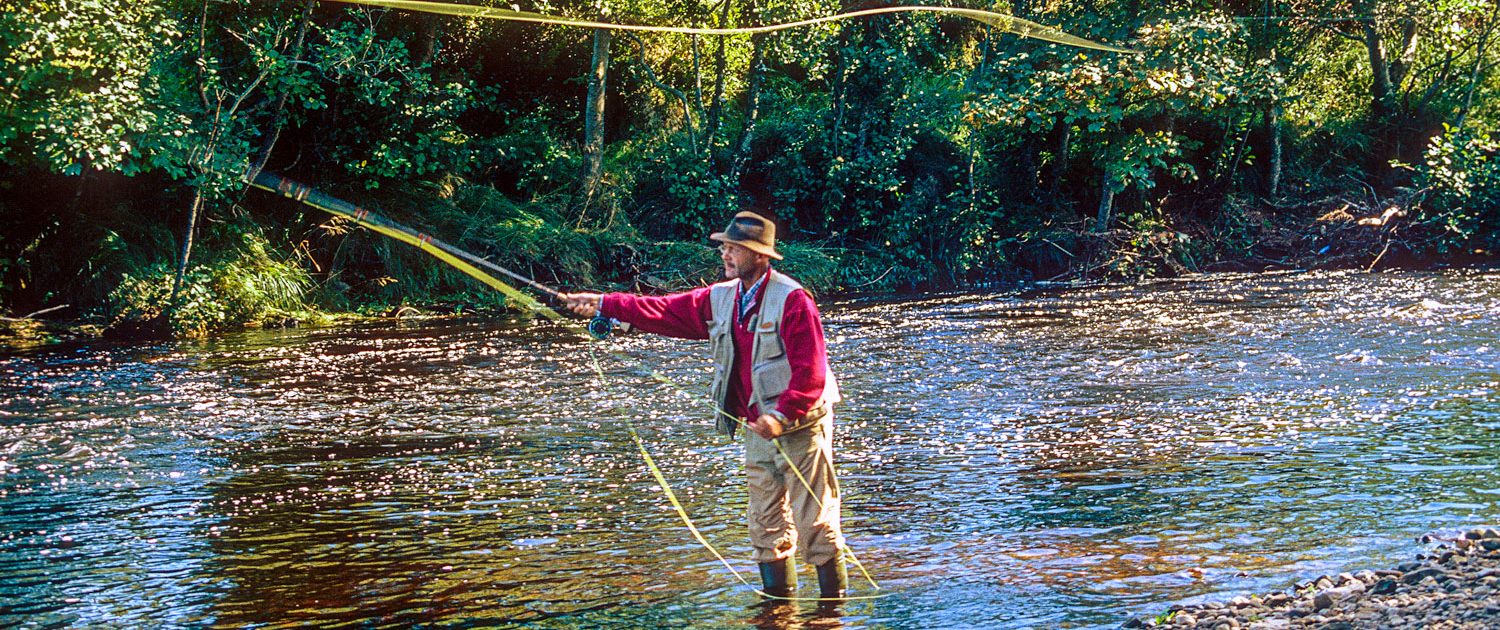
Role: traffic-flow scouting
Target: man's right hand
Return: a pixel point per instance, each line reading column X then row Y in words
column 583, row 304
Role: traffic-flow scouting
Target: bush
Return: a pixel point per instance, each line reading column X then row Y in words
column 677, row 193
column 247, row 286
column 1461, row 179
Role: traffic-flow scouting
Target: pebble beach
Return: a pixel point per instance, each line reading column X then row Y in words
column 1455, row 585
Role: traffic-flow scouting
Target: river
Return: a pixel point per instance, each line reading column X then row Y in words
column 1050, row 458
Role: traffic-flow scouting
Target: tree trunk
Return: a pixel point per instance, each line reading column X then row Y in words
column 697, row 78
column 1273, row 133
column 279, row 109
column 1063, row 133
column 187, row 247
column 752, row 105
column 1029, row 167
column 1381, row 90
column 1408, row 56
column 1106, row 204
column 714, row 108
column 687, row 109
column 427, row 39
column 593, row 120
column 839, row 90
column 1484, row 38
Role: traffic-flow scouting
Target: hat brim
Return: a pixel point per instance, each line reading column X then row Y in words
column 754, row 246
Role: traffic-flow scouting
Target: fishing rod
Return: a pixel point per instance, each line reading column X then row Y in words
column 598, row 327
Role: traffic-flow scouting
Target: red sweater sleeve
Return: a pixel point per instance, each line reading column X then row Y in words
column 802, row 336
column 683, row 315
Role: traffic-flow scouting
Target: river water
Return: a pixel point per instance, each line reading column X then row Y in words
column 1061, row 458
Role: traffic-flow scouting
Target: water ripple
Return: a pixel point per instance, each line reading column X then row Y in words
column 1061, row 457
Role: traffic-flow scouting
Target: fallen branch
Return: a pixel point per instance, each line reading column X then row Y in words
column 34, row 314
column 1378, row 257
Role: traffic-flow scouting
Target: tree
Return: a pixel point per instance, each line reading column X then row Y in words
column 593, row 143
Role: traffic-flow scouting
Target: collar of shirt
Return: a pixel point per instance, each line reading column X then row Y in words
column 747, row 299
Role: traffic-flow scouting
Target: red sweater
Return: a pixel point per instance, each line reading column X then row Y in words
column 686, row 315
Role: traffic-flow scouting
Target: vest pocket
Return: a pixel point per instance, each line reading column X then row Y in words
column 767, row 343
column 770, row 380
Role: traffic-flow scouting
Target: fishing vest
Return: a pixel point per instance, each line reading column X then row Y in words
column 770, row 372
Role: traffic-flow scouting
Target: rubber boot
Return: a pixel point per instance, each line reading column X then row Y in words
column 779, row 578
column 833, row 578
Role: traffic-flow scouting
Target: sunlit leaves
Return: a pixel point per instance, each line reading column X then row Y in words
column 1460, row 176
column 77, row 82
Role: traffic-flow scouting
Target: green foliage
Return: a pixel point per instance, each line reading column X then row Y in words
column 896, row 152
column 378, row 85
column 683, row 192
column 248, row 285
column 820, row 269
column 1461, row 178
column 78, row 82
column 534, row 156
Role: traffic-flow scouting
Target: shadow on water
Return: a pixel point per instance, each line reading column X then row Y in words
column 1054, row 459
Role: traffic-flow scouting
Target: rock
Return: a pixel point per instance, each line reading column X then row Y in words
column 1446, row 588
column 1421, row 574
column 1490, row 532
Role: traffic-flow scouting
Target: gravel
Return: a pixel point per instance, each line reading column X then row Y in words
column 1454, row 586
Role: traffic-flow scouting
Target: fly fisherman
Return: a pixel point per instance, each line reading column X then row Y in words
column 771, row 372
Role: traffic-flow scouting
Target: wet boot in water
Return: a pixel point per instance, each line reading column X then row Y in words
column 779, row 578
column 833, row 578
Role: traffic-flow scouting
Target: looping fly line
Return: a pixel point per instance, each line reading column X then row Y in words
column 1007, row 23
column 475, row 267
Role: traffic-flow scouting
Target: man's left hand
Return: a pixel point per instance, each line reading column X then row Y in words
column 767, row 426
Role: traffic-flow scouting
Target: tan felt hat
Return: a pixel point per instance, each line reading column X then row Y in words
column 756, row 233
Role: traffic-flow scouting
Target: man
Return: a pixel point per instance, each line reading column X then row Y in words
column 771, row 374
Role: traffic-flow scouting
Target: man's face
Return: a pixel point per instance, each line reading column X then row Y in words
column 740, row 263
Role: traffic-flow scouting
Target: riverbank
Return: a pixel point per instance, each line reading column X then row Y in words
column 1454, row 586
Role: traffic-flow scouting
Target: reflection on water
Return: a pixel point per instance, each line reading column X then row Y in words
column 1061, row 458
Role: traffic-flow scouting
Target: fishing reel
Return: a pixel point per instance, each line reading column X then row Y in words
column 600, row 326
